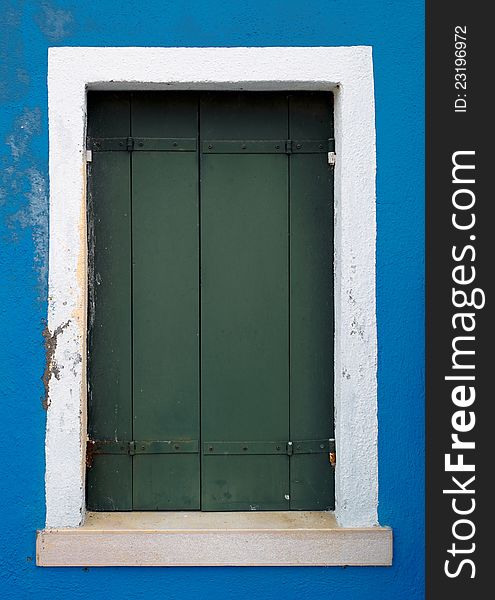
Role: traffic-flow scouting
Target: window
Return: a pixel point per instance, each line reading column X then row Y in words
column 348, row 536
column 211, row 312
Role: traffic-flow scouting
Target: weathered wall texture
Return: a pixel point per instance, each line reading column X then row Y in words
column 395, row 30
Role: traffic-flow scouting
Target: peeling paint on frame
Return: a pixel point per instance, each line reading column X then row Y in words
column 51, row 366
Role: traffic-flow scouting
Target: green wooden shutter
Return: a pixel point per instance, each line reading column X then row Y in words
column 244, row 302
column 154, row 226
column 109, row 481
column 311, row 302
column 212, row 329
column 165, row 283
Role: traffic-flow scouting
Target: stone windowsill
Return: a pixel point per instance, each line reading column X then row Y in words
column 213, row 539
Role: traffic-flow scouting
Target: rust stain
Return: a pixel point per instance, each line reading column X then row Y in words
column 90, row 451
column 51, row 367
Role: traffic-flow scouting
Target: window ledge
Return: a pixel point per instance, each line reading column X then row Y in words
column 213, row 539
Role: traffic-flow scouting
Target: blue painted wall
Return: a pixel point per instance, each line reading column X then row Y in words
column 395, row 30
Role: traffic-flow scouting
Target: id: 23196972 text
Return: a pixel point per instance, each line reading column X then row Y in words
column 460, row 68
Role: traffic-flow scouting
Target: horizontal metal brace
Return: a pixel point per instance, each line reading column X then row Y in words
column 313, row 446
column 281, row 447
column 143, row 447
column 267, row 146
column 245, row 447
column 141, row 144
column 131, row 448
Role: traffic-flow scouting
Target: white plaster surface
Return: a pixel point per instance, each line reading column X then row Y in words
column 348, row 72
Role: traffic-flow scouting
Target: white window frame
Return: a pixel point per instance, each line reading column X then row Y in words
column 348, row 73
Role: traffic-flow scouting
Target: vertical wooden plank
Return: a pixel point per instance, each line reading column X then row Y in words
column 311, row 302
column 165, row 242
column 244, row 312
column 109, row 366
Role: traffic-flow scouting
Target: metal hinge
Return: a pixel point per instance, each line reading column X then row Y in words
column 332, row 158
column 89, row 156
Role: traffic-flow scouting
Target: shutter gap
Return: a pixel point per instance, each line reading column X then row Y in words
column 132, row 298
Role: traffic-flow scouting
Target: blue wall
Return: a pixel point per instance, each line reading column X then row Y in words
column 395, row 30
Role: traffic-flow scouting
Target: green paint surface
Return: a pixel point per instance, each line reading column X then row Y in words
column 213, row 300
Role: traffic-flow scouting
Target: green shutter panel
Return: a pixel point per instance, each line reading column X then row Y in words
column 165, row 283
column 244, row 303
column 311, row 302
column 110, row 340
column 144, row 350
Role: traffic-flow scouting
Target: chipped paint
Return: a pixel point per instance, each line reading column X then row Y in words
column 51, row 366
column 34, row 217
column 25, row 126
column 56, row 23
column 26, row 190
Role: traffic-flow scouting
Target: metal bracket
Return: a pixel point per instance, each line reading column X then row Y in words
column 267, row 146
column 132, row 448
column 132, row 144
column 276, row 447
